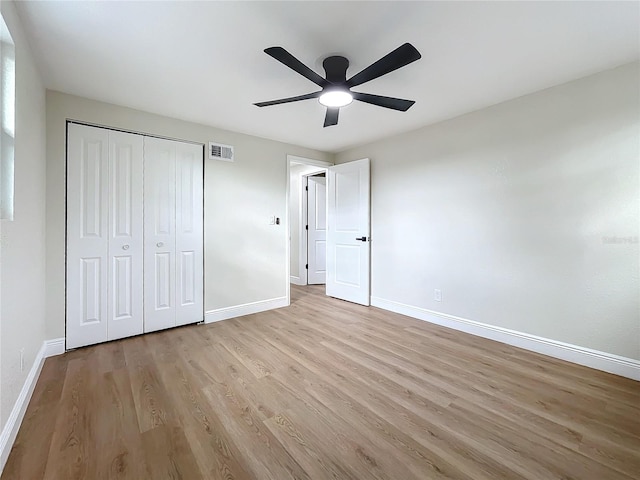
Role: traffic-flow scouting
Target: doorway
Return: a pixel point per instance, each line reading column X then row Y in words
column 299, row 171
column 346, row 247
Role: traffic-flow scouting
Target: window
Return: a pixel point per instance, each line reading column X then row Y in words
column 7, row 120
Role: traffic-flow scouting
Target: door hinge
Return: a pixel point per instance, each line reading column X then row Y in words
column 307, row 266
column 306, row 227
column 306, row 188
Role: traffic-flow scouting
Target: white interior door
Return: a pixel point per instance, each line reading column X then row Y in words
column 317, row 232
column 159, row 234
column 125, row 236
column 189, row 239
column 87, row 234
column 348, row 247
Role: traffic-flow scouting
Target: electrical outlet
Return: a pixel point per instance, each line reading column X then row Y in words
column 22, row 359
column 437, row 295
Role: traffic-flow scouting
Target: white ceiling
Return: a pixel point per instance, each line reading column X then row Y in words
column 204, row 61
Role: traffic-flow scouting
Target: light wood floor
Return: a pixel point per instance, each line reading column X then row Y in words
column 324, row 390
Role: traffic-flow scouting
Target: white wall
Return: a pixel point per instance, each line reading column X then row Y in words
column 22, row 241
column 296, row 172
column 509, row 211
column 245, row 257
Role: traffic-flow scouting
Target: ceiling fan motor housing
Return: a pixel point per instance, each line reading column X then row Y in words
column 336, row 69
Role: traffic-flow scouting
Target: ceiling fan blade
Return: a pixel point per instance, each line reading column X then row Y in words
column 401, row 56
column 293, row 63
column 386, row 102
column 331, row 118
column 288, row 100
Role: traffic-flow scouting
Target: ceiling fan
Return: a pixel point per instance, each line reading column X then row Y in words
column 336, row 89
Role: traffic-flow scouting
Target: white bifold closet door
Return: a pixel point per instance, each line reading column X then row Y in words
column 173, row 259
column 104, row 235
column 134, row 234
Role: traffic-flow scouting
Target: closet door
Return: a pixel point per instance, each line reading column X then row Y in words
column 159, row 234
column 125, row 236
column 134, row 254
column 104, row 235
column 173, row 245
column 87, row 234
column 189, row 241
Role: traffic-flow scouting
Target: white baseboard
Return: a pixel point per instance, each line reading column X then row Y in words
column 49, row 348
column 607, row 362
column 296, row 280
column 245, row 309
column 54, row 347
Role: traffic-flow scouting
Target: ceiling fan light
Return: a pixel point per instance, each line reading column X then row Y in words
column 336, row 98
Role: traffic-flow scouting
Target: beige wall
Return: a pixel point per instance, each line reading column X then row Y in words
column 245, row 257
column 510, row 212
column 22, row 241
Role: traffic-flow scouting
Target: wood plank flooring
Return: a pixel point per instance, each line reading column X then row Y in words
column 324, row 389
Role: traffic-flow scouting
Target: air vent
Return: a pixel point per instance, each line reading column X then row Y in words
column 218, row 151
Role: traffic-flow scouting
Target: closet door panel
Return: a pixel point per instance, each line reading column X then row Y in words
column 87, row 235
column 189, row 239
column 125, row 306
column 159, row 234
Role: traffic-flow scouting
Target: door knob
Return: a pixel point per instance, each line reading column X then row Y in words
column 125, row 247
column 160, row 244
column 362, row 239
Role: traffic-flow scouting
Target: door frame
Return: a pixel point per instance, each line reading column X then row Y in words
column 295, row 160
